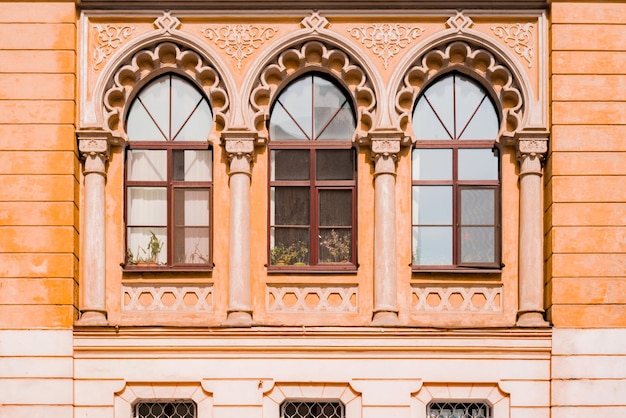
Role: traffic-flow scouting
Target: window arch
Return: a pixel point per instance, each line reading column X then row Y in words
column 455, row 176
column 312, row 176
column 168, row 176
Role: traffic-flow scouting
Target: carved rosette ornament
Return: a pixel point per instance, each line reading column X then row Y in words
column 239, row 41
column 387, row 39
column 108, row 38
column 518, row 37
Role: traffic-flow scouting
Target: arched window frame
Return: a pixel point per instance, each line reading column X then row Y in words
column 316, row 258
column 456, row 144
column 178, row 154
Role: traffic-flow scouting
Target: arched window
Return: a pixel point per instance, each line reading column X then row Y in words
column 168, row 176
column 455, row 176
column 313, row 176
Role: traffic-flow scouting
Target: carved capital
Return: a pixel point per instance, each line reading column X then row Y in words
column 531, row 151
column 240, row 149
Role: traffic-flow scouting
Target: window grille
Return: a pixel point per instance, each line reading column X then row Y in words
column 459, row 410
column 292, row 409
column 165, row 410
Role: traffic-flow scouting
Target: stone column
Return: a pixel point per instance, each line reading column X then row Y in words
column 530, row 152
column 240, row 148
column 384, row 152
column 94, row 149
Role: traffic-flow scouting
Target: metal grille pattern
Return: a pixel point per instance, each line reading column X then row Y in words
column 459, row 410
column 292, row 409
column 165, row 410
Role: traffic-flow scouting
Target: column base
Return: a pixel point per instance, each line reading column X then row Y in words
column 92, row 319
column 531, row 320
column 239, row 319
column 385, row 319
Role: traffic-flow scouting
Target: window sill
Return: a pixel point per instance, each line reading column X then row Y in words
column 164, row 269
column 457, row 270
column 326, row 269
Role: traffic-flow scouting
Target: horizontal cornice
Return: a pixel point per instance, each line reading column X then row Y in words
column 372, row 5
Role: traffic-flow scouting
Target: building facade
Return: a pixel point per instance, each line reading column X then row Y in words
column 312, row 209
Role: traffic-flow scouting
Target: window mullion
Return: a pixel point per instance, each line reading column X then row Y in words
column 314, row 231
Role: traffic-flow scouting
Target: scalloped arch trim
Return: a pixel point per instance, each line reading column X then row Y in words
column 312, row 55
column 159, row 59
column 476, row 62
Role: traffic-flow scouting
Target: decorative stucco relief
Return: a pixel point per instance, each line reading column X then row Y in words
column 312, row 299
column 480, row 299
column 385, row 40
column 152, row 60
column 239, row 41
column 318, row 55
column 108, row 38
column 518, row 37
column 167, row 298
column 470, row 59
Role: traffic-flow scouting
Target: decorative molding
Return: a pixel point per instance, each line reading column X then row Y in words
column 239, row 41
column 315, row 22
column 518, row 37
column 315, row 54
column 108, row 38
column 167, row 22
column 386, row 39
column 475, row 61
column 459, row 22
column 154, row 59
column 454, row 299
column 126, row 398
column 167, row 298
column 532, row 146
column 311, row 299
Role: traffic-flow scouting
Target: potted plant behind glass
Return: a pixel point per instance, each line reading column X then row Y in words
column 337, row 248
column 146, row 256
column 300, row 251
column 280, row 255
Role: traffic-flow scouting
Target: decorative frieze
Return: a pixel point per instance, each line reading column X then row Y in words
column 311, row 299
column 108, row 38
column 239, row 41
column 387, row 39
column 518, row 37
column 474, row 299
column 167, row 298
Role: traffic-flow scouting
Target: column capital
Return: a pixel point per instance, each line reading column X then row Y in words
column 93, row 141
column 239, row 146
column 385, row 147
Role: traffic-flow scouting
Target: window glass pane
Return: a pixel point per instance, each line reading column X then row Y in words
column 297, row 99
column 192, row 165
column 191, row 207
column 140, row 127
column 147, row 206
column 185, row 99
column 459, row 410
column 146, row 165
column 290, row 164
column 478, row 164
column 335, row 245
column 432, row 245
column 477, row 207
column 291, row 205
column 156, row 100
column 432, row 164
column 335, row 164
column 477, row 244
column 341, row 126
column 299, row 409
column 289, row 246
column 469, row 96
column 328, row 99
column 146, row 245
column 191, row 245
column 484, row 124
column 335, row 207
column 283, row 127
column 198, row 126
column 432, row 205
column 433, row 117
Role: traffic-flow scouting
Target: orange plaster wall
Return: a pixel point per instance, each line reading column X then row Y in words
column 585, row 175
column 38, row 165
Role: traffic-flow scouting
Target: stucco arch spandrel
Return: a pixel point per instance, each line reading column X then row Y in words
column 476, row 57
column 313, row 48
column 142, row 61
